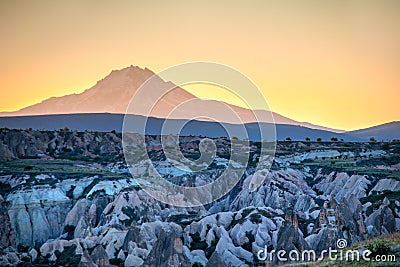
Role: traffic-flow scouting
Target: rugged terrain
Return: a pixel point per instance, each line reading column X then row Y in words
column 67, row 198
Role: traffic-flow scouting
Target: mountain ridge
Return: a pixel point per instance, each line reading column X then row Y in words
column 106, row 122
column 112, row 94
column 387, row 131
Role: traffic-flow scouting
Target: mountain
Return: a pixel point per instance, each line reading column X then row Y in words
column 113, row 94
column 386, row 131
column 108, row 122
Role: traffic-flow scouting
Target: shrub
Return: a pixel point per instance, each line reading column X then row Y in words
column 385, row 147
column 197, row 243
column 255, row 218
column 68, row 257
column 210, row 250
column 117, row 262
column 25, row 259
column 130, row 212
column 69, row 229
column 379, row 247
column 248, row 245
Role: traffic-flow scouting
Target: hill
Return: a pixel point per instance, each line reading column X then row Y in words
column 386, row 131
column 104, row 122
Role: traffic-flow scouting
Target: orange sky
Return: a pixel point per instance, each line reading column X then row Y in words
column 332, row 63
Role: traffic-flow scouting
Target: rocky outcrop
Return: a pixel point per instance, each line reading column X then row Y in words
column 38, row 214
column 386, row 185
column 338, row 220
column 86, row 261
column 342, row 186
column 99, row 256
column 290, row 238
column 167, row 251
column 101, row 217
column 216, row 260
column 133, row 261
column 7, row 236
column 381, row 221
column 280, row 190
column 37, row 144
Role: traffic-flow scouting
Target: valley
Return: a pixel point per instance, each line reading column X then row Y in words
column 67, row 198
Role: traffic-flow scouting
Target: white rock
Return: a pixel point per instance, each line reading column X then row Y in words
column 77, row 212
column 115, row 237
column 262, row 237
column 225, row 244
column 225, row 218
column 343, row 186
column 210, row 237
column 110, row 250
column 397, row 224
column 238, row 232
column 221, row 232
column 315, row 214
column 386, row 184
column 310, row 228
column 230, row 259
column 140, row 252
column 79, row 249
column 33, row 253
column 121, row 255
column 111, row 187
column 53, row 257
column 198, row 256
column 133, row 261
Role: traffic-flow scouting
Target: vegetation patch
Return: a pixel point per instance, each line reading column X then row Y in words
column 255, row 218
column 182, row 219
column 248, row 245
column 133, row 216
column 197, row 243
column 69, row 229
column 379, row 247
column 68, row 257
column 117, row 262
column 210, row 250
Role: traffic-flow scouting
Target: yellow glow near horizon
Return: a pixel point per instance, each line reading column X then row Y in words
column 332, row 63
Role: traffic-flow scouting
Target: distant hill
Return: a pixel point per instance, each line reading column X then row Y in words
column 108, row 122
column 113, row 94
column 386, row 131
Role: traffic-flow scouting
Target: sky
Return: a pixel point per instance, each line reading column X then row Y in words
column 331, row 63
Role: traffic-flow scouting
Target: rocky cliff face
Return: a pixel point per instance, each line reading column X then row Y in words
column 47, row 144
column 58, row 209
column 7, row 234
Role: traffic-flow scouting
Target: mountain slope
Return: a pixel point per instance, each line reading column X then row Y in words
column 386, row 131
column 109, row 122
column 113, row 94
